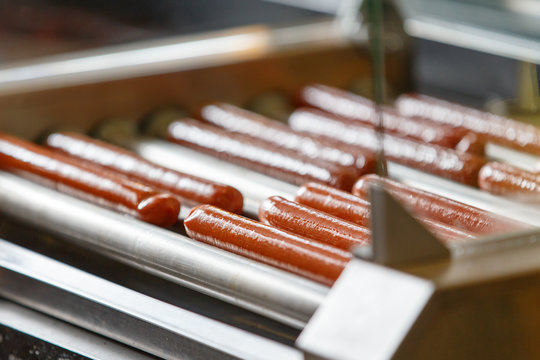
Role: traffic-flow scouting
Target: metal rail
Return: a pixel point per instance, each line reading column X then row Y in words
column 265, row 290
column 116, row 312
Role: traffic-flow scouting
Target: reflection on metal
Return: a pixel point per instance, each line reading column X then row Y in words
column 59, row 334
column 492, row 28
column 162, row 56
column 398, row 238
column 443, row 309
column 366, row 315
column 517, row 158
column 265, row 290
column 100, row 306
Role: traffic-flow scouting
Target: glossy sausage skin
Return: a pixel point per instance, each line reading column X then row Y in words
column 258, row 127
column 439, row 208
column 190, row 189
column 86, row 181
column 509, row 181
column 360, row 110
column 266, row 158
column 357, row 210
column 472, row 143
column 311, row 223
column 265, row 244
column 494, row 128
column 430, row 158
column 336, row 202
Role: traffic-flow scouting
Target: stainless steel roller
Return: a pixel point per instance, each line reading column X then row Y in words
column 265, row 290
column 254, row 186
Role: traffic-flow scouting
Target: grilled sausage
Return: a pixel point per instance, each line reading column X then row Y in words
column 86, row 181
column 311, row 223
column 439, row 208
column 357, row 210
column 190, row 189
column 258, row 127
column 494, row 128
column 431, row 158
column 265, row 244
column 360, row 110
column 266, row 158
column 509, row 181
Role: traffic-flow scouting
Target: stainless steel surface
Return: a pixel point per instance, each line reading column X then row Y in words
column 448, row 309
column 494, row 27
column 357, row 324
column 254, row 186
column 162, row 56
column 62, row 335
column 121, row 314
column 397, row 237
column 257, row 287
column 517, row 158
column 528, row 214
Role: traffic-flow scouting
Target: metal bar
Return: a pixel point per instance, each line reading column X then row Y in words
column 163, row 56
column 122, row 314
column 265, row 290
column 62, row 335
column 254, row 186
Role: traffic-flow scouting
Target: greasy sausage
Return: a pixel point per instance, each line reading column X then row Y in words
column 241, row 121
column 431, row 158
column 335, row 202
column 439, row 208
column 86, row 181
column 265, row 244
column 190, row 189
column 509, row 181
column 311, row 223
column 357, row 210
column 495, row 128
column 361, row 110
column 266, row 158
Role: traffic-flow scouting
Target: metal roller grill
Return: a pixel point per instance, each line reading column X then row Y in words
column 132, row 290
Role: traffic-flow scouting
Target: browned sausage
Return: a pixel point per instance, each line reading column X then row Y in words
column 361, row 110
column 357, row 210
column 495, row 128
column 473, row 144
column 241, row 121
column 190, row 189
column 509, row 181
column 265, row 244
column 86, row 181
column 266, row 158
column 335, row 202
column 311, row 223
column 431, row 158
column 439, row 208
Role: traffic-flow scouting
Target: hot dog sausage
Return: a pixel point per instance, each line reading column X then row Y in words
column 311, row 223
column 336, row 202
column 426, row 157
column 357, row 210
column 361, row 110
column 263, row 157
column 266, row 244
column 495, row 128
column 509, row 181
column 88, row 182
column 190, row 189
column 439, row 208
column 262, row 128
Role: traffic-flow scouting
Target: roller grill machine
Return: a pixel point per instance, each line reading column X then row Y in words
column 93, row 283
